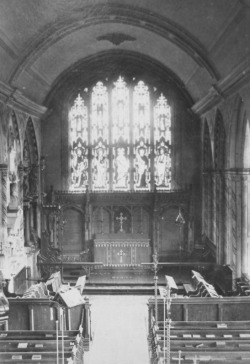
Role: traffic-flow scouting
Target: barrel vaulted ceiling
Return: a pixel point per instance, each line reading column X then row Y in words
column 205, row 44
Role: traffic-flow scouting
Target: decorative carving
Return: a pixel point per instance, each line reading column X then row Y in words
column 122, row 220
column 50, row 198
column 33, row 180
column 13, row 204
column 116, row 38
column 3, row 169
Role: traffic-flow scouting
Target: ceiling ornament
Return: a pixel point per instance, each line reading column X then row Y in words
column 116, row 38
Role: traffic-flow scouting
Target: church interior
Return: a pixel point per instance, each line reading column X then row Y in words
column 125, row 181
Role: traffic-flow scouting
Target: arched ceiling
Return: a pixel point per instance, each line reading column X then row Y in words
column 201, row 42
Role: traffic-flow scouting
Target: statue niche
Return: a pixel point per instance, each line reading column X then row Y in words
column 13, row 204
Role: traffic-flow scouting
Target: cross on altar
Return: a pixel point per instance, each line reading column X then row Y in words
column 121, row 218
column 121, row 253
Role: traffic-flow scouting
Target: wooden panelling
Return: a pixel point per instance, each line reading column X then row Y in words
column 205, row 309
column 73, row 231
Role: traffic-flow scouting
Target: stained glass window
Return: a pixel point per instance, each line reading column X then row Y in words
column 121, row 138
column 100, row 137
column 120, row 134
column 162, row 143
column 78, row 118
column 141, row 136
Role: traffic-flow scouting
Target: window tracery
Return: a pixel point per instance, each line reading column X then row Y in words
column 119, row 140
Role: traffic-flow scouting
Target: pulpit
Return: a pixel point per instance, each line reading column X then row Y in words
column 120, row 252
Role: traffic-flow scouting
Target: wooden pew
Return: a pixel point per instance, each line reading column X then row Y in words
column 35, row 335
column 41, row 314
column 203, row 309
column 243, row 286
column 214, row 325
column 227, row 342
column 26, row 358
column 22, row 347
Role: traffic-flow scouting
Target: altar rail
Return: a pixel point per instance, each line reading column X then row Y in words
column 59, row 266
column 203, row 309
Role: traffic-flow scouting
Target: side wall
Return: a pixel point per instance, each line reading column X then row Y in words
column 230, row 182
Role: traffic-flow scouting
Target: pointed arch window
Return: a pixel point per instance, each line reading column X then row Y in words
column 162, row 143
column 120, row 139
column 78, row 118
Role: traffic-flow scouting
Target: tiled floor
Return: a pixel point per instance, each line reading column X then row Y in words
column 119, row 330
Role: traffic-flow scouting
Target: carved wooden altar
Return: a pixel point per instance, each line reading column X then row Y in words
column 122, row 252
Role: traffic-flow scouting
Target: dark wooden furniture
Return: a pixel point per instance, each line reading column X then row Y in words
column 204, row 309
column 23, row 346
column 208, row 342
column 42, row 313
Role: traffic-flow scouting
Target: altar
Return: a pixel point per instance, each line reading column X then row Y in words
column 122, row 252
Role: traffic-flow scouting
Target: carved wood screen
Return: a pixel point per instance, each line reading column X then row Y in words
column 73, row 237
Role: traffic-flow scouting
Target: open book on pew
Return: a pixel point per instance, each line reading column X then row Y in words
column 170, row 283
column 54, row 282
column 70, row 298
column 80, row 284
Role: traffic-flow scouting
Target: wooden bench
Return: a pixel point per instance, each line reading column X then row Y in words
column 31, row 357
column 225, row 325
column 203, row 309
column 41, row 346
column 222, row 341
column 35, row 335
column 42, row 313
column 226, row 341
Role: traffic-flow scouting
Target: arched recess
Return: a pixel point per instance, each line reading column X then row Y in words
column 2, row 144
column 15, row 233
column 101, row 221
column 72, row 230
column 219, row 196
column 141, row 221
column 14, row 200
column 171, row 237
column 30, row 185
column 14, row 154
column 207, row 183
column 122, row 220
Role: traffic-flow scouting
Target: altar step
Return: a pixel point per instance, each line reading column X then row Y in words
column 126, row 289
column 126, row 276
column 91, row 289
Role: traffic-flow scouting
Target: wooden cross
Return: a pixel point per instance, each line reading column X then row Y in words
column 121, row 218
column 121, row 253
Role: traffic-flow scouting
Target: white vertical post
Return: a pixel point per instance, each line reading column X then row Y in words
column 164, row 329
column 179, row 358
column 62, row 315
column 57, row 344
